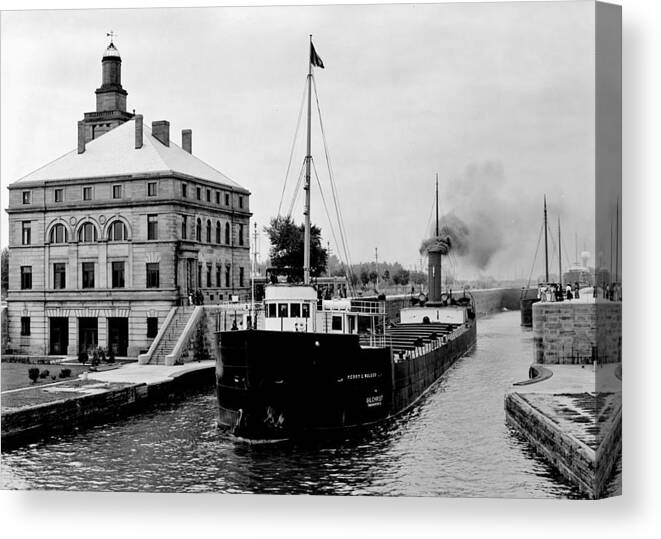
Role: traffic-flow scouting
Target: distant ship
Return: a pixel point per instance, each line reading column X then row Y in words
column 322, row 366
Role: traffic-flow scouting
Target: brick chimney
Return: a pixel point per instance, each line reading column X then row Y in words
column 187, row 140
column 161, row 130
column 138, row 131
column 81, row 137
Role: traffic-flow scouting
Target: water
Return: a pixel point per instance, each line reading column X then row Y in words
column 454, row 443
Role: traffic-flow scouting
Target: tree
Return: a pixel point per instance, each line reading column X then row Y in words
column 287, row 248
column 417, row 277
column 4, row 272
column 401, row 277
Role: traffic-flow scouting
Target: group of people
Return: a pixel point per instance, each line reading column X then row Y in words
column 196, row 297
column 554, row 292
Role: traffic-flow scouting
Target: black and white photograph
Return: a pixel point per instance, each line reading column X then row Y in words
column 340, row 250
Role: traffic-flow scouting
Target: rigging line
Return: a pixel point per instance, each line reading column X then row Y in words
column 532, row 268
column 331, row 176
column 293, row 145
column 297, row 190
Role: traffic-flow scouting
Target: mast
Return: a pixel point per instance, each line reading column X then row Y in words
column 617, row 241
column 559, row 256
column 546, row 242
column 440, row 258
column 308, row 159
column 252, row 284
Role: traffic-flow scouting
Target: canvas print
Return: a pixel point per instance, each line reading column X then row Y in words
column 339, row 250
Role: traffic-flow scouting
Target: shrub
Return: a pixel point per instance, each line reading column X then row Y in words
column 65, row 373
column 44, row 374
column 83, row 357
column 33, row 373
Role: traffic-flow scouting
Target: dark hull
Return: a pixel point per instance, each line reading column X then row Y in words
column 278, row 385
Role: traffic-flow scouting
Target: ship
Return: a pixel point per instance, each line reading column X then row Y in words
column 326, row 366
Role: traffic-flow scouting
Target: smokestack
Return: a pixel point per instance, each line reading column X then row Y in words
column 434, row 277
column 187, row 140
column 161, row 130
column 81, row 137
column 138, row 131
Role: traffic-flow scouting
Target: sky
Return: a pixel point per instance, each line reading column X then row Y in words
column 497, row 99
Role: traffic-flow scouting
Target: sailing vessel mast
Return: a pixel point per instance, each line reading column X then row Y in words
column 559, row 256
column 546, row 242
column 440, row 279
column 308, row 159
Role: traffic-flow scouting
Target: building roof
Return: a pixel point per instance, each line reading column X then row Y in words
column 114, row 154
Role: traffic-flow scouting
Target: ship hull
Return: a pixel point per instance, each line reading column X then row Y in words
column 280, row 385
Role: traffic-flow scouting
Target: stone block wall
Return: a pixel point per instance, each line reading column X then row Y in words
column 577, row 333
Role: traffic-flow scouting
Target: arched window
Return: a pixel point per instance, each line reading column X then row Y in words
column 218, row 232
column 208, row 230
column 227, row 233
column 58, row 234
column 117, row 231
column 87, row 233
column 198, row 230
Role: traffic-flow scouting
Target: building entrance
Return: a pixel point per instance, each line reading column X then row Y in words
column 88, row 334
column 59, row 335
column 118, row 335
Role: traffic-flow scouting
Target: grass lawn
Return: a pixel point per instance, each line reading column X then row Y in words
column 15, row 375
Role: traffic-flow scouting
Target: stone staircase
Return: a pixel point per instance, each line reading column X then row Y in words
column 167, row 339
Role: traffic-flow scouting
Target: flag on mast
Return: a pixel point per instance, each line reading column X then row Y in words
column 315, row 60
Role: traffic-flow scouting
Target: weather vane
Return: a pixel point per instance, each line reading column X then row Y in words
column 111, row 35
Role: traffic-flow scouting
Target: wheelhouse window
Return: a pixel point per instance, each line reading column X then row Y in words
column 87, row 193
column 116, row 191
column 227, row 233
column 58, row 195
column 336, row 323
column 58, row 234
column 272, row 310
column 59, row 276
column 27, row 197
column 295, row 310
column 88, row 274
column 151, row 189
column 117, row 231
column 25, row 326
column 118, row 274
column 87, row 233
column 152, row 275
column 152, row 227
column 26, row 277
column 152, row 327
column 26, row 232
column 283, row 310
column 306, row 310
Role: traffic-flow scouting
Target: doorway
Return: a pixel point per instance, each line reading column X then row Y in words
column 59, row 335
column 88, row 334
column 118, row 335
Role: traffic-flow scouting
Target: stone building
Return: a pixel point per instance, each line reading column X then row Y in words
column 105, row 240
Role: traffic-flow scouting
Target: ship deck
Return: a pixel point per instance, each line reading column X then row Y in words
column 404, row 336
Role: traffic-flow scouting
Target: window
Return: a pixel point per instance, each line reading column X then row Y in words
column 306, row 310
column 240, row 234
column 117, row 231
column 336, row 323
column 218, row 232
column 88, row 274
column 26, row 277
column 227, row 199
column 218, row 197
column 283, row 310
column 26, row 232
column 219, row 276
column 87, row 193
column 184, row 227
column 208, row 275
column 240, row 201
column 198, row 192
column 59, row 276
column 208, row 195
column 87, row 233
column 227, row 233
column 152, row 327
column 295, row 310
column 272, row 313
column 116, row 191
column 199, row 275
column 58, row 195
column 228, row 276
column 208, row 231
column 152, row 227
column 118, row 274
column 241, row 276
column 27, row 197
column 184, row 190
column 58, row 234
column 198, row 230
column 25, row 325
column 152, row 275
column 151, row 189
